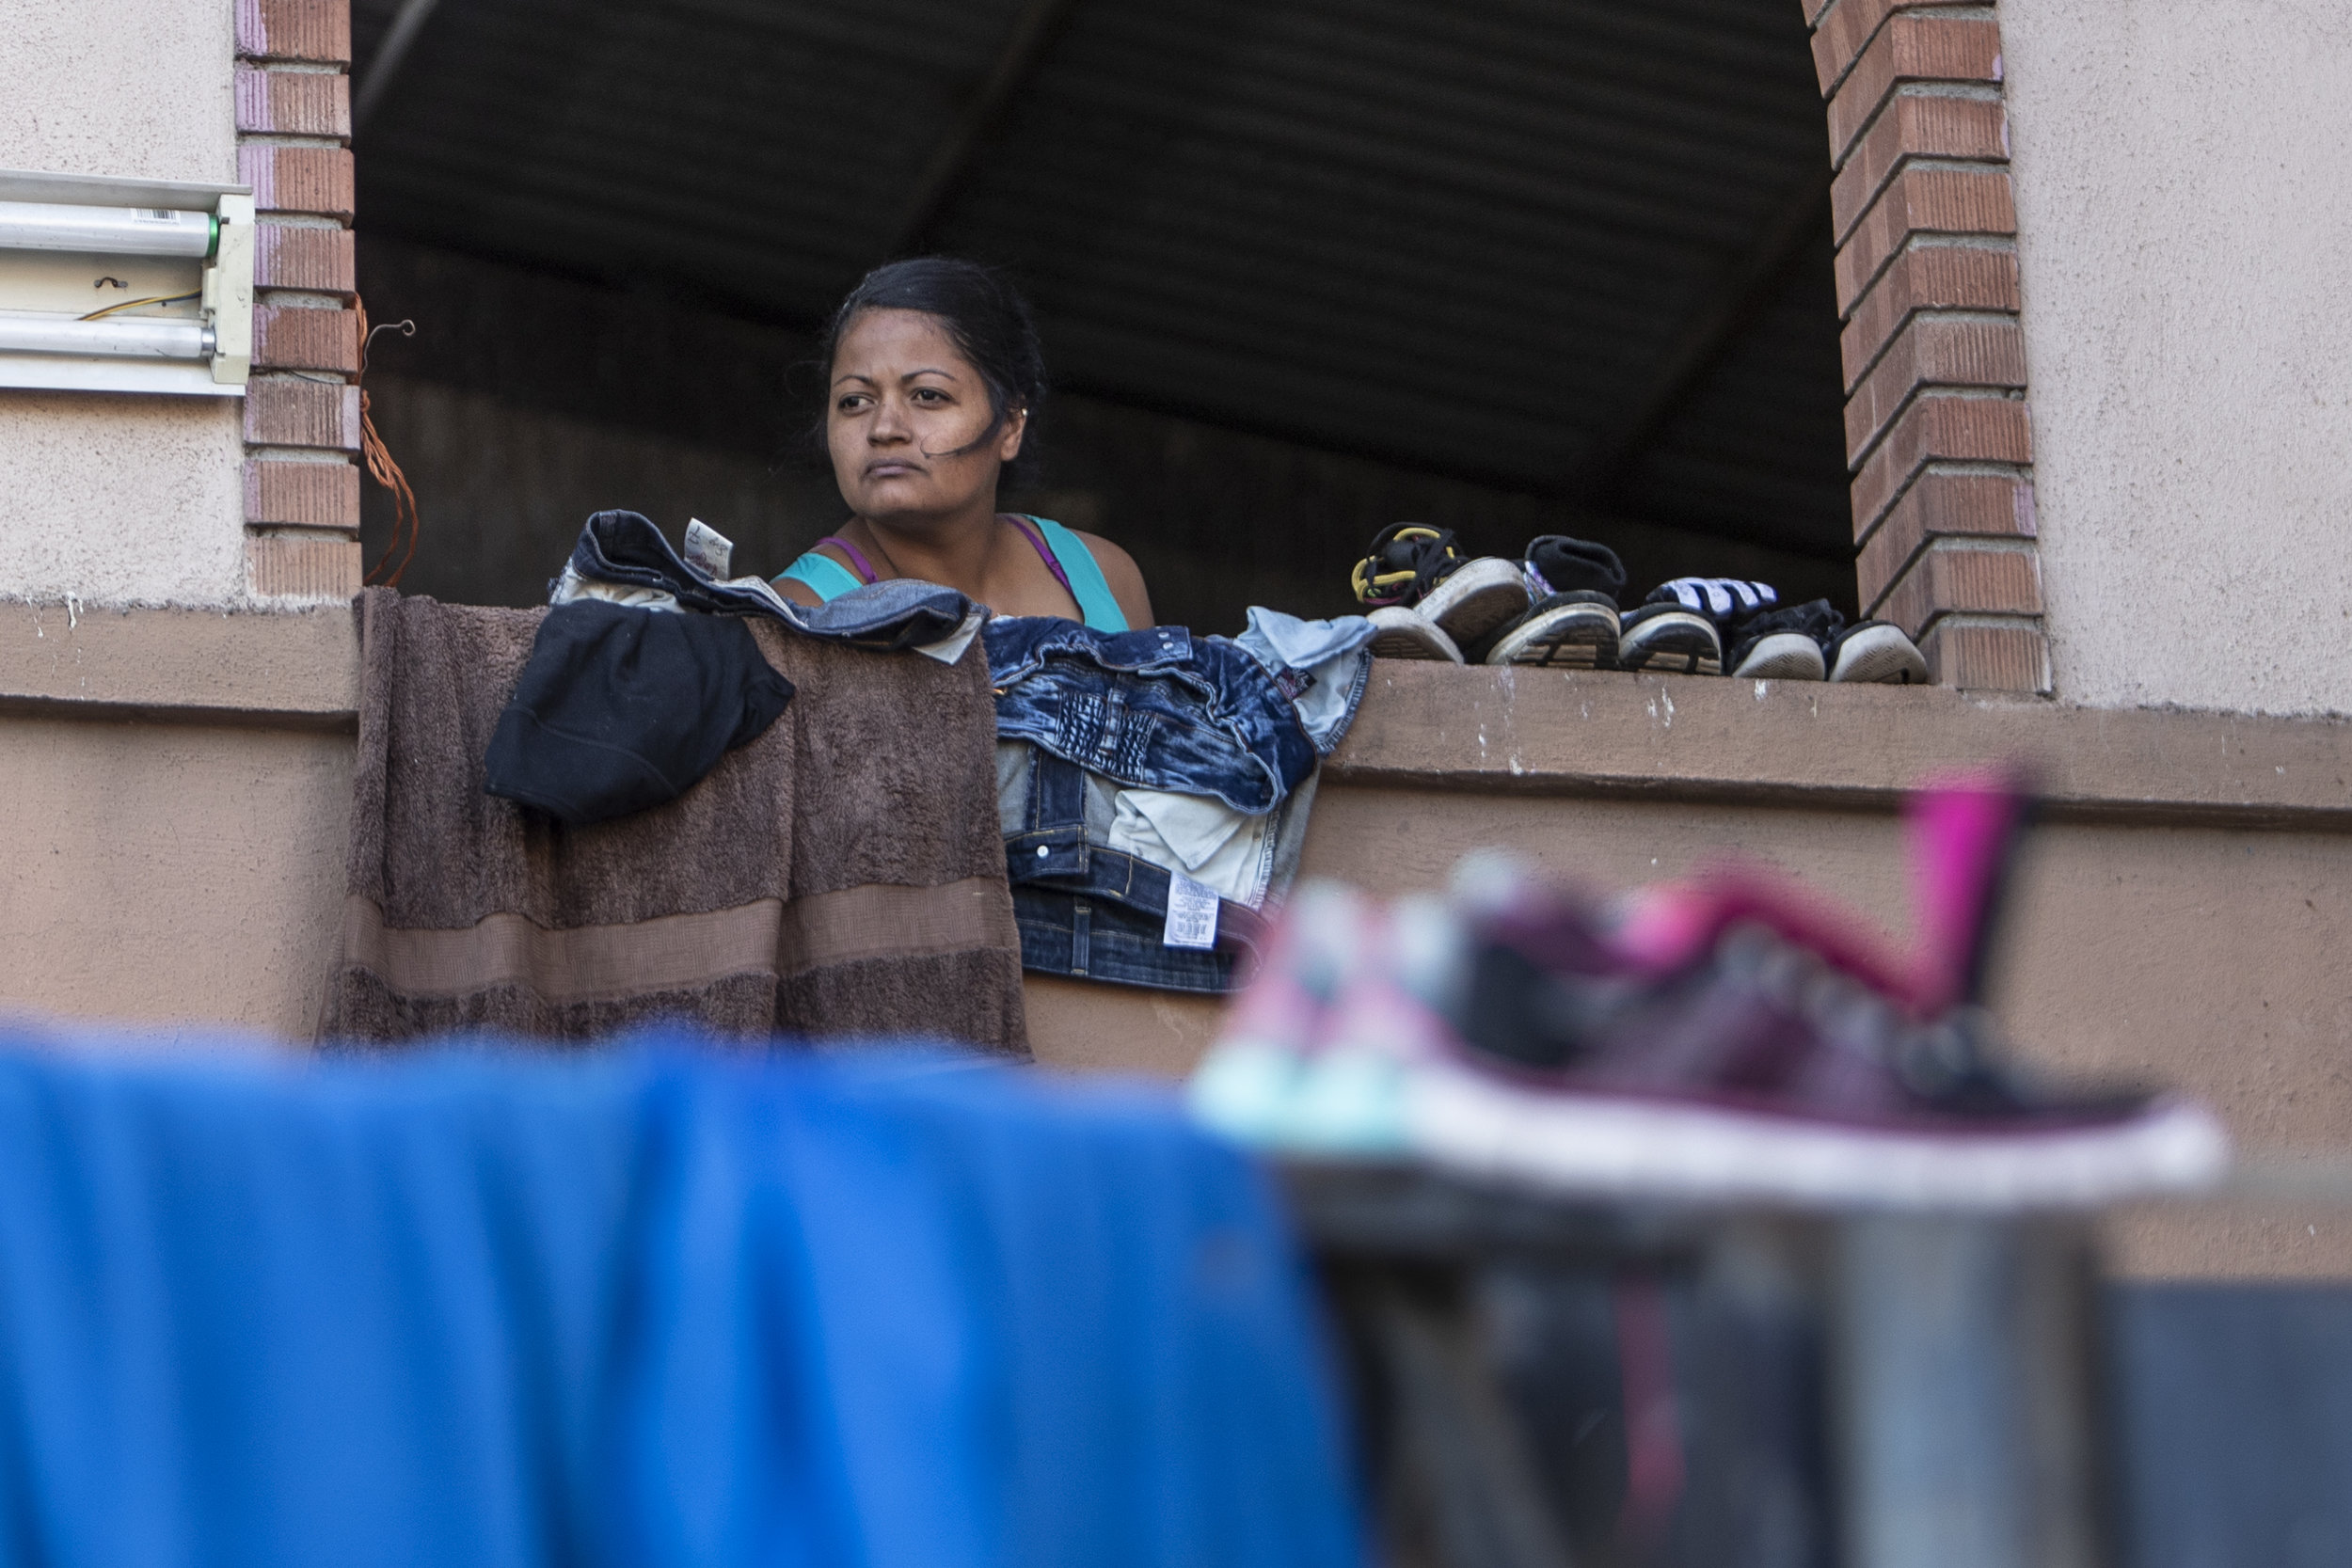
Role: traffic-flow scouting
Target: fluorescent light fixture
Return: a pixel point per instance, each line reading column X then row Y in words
column 137, row 336
column 116, row 285
column 109, row 230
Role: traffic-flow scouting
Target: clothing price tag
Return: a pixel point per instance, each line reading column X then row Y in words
column 707, row 548
column 1191, row 913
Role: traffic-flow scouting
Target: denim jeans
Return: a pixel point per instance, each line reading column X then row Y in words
column 1321, row 666
column 1097, row 913
column 1156, row 709
column 627, row 548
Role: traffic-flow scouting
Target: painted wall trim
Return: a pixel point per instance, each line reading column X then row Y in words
column 251, row 669
column 1422, row 726
column 1729, row 741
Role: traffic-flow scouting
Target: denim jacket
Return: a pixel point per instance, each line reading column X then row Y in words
column 1157, row 708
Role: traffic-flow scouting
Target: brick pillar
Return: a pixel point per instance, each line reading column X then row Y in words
column 302, row 408
column 1936, row 433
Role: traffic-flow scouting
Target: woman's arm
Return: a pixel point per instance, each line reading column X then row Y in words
column 796, row 590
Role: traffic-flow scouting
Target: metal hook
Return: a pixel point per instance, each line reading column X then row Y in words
column 407, row 329
column 116, row 282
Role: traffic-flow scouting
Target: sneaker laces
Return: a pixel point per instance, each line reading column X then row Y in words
column 1404, row 562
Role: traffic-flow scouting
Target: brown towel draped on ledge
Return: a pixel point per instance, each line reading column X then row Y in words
column 840, row 875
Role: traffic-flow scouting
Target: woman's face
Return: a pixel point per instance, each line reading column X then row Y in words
column 906, row 411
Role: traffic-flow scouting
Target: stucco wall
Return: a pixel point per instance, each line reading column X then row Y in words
column 2178, row 925
column 2184, row 209
column 171, row 876
column 138, row 88
column 120, row 499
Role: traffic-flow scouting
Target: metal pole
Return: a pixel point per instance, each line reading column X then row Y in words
column 1459, row 1458
column 1963, row 1394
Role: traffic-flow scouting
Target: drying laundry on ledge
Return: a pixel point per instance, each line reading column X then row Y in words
column 655, row 1308
column 623, row 557
column 839, row 875
column 1154, row 787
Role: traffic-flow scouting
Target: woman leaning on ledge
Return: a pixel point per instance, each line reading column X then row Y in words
column 933, row 370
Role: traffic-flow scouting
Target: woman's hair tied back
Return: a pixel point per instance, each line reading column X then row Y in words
column 983, row 315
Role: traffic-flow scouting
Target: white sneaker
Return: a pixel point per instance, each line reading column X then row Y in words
column 1877, row 651
column 1667, row 636
column 1409, row 634
column 1784, row 656
column 1572, row 631
column 1475, row 598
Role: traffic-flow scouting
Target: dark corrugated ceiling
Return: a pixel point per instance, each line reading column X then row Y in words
column 1467, row 237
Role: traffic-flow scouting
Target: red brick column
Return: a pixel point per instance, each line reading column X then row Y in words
column 302, row 408
column 1936, row 433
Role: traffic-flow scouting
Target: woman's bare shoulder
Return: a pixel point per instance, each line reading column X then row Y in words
column 800, row 593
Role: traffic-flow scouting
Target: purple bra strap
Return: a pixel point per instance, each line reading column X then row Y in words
column 1034, row 537
column 865, row 567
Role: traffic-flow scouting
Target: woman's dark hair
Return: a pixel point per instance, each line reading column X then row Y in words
column 985, row 318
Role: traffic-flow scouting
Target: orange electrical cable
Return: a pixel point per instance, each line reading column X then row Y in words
column 386, row 472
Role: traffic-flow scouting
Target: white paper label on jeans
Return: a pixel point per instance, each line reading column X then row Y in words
column 1191, row 913
column 707, row 548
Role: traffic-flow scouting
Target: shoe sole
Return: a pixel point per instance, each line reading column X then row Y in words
column 1407, row 634
column 1881, row 655
column 1573, row 636
column 1476, row 599
column 1604, row 1147
column 1785, row 655
column 1677, row 643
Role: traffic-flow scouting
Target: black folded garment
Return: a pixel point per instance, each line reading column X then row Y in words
column 620, row 708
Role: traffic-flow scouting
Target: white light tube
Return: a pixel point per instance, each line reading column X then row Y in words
column 114, row 337
column 109, row 230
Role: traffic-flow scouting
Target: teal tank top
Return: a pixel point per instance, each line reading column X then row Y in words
column 1065, row 554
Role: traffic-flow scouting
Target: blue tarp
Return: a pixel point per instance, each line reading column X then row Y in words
column 652, row 1306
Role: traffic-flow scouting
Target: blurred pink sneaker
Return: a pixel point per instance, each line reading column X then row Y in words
column 1247, row 1082
column 1762, row 1075
column 1737, row 1042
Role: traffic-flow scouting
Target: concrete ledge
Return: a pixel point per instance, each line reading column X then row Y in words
column 1422, row 726
column 297, row 669
column 1700, row 738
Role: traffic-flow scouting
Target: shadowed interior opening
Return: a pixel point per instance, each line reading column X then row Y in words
column 1303, row 268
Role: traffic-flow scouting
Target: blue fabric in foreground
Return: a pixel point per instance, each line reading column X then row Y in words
column 650, row 1307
